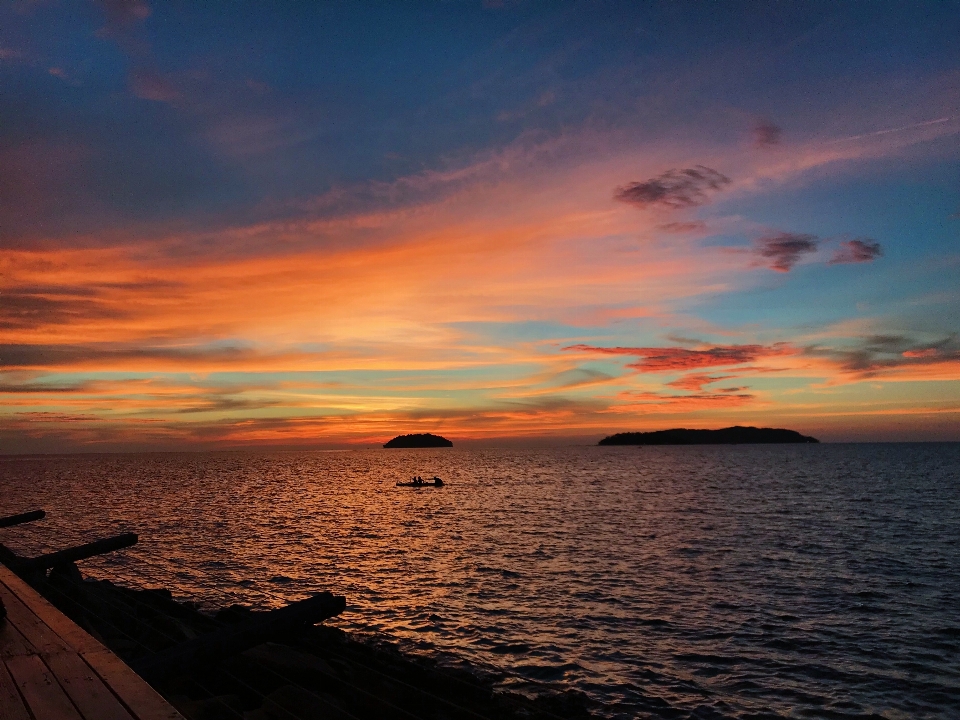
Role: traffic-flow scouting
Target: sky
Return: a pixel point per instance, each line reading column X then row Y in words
column 318, row 225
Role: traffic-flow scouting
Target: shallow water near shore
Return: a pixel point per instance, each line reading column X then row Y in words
column 708, row 582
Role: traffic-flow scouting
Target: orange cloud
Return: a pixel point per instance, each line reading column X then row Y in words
column 388, row 295
column 648, row 402
column 672, row 359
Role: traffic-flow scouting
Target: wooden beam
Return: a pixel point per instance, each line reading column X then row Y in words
column 230, row 640
column 11, row 520
column 25, row 566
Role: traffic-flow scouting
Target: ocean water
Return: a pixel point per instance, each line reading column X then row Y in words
column 700, row 582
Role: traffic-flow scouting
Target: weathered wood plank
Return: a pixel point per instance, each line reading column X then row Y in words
column 11, row 704
column 44, row 696
column 72, row 634
column 144, row 702
column 85, row 688
column 12, row 642
column 37, row 633
column 54, row 635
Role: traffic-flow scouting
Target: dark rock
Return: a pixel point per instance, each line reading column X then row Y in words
column 285, row 659
column 233, row 614
column 67, row 571
column 315, row 672
column 290, row 701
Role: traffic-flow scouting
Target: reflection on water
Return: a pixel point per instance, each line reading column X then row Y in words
column 682, row 582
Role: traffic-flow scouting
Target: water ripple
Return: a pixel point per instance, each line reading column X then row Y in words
column 710, row 582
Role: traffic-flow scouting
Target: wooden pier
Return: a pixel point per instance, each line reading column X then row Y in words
column 50, row 669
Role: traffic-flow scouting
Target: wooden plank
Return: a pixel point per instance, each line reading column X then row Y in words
column 43, row 695
column 12, row 642
column 11, row 704
column 142, row 700
column 87, row 691
column 73, row 635
column 37, row 633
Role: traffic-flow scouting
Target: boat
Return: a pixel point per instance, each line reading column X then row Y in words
column 417, row 482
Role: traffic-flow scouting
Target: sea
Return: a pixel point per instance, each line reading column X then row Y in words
column 749, row 581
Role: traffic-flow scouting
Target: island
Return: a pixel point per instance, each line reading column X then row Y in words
column 727, row 436
column 418, row 440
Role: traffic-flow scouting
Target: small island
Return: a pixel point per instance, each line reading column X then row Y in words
column 418, row 440
column 727, row 436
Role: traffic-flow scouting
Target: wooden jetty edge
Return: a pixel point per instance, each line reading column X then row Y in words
column 268, row 665
column 50, row 669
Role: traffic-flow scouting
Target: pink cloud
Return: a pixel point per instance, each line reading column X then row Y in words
column 684, row 227
column 857, row 251
column 151, row 85
column 121, row 15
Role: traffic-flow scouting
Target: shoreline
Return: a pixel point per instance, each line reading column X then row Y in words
column 316, row 671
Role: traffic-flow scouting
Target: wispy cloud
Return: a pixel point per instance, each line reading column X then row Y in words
column 888, row 131
column 124, row 20
column 697, row 381
column 782, row 251
column 676, row 359
column 689, row 226
column 894, row 357
column 856, row 251
column 148, row 84
column 766, row 134
column 7, row 53
column 667, row 403
column 674, row 189
column 122, row 17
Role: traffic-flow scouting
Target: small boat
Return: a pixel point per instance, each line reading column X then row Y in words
column 417, row 482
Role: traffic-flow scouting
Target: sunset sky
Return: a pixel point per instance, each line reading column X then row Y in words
column 225, row 225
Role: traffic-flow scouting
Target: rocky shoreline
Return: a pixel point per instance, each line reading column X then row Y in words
column 315, row 672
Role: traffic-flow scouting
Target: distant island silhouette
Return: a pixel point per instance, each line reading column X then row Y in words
column 727, row 436
column 418, row 440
